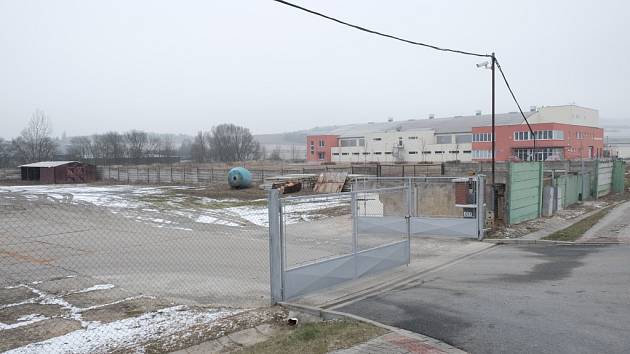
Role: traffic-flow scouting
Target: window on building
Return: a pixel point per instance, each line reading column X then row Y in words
column 413, row 152
column 377, row 153
column 412, row 138
column 453, row 152
column 438, row 152
column 541, row 154
column 426, row 152
column 321, row 155
column 463, row 138
column 388, row 152
column 467, row 151
column 312, row 152
column 344, row 154
column 362, row 142
column 335, row 154
column 322, row 143
column 444, row 139
column 355, row 153
column 366, row 153
column 482, row 154
column 348, row 142
column 377, row 139
column 481, row 137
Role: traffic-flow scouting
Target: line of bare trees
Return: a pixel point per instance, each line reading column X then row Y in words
column 133, row 146
column 223, row 143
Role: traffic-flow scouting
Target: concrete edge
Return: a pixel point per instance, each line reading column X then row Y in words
column 516, row 241
column 395, row 283
column 326, row 314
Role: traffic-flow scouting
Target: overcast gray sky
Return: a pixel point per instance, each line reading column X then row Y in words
column 181, row 66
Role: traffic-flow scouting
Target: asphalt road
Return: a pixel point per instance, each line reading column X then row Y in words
column 519, row 299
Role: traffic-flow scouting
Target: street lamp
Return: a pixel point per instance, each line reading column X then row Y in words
column 490, row 66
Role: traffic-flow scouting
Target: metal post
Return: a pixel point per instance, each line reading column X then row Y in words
column 275, row 247
column 355, row 232
column 495, row 206
column 410, row 212
column 481, row 207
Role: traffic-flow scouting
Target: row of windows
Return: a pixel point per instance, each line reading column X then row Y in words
column 539, row 155
column 482, row 154
column 440, row 139
column 482, row 137
column 410, row 152
column 540, row 135
column 322, row 143
column 352, row 142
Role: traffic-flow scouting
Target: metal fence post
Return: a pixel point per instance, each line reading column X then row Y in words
column 355, row 232
column 481, row 207
column 275, row 247
column 410, row 212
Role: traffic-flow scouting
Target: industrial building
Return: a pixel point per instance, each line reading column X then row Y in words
column 52, row 172
column 563, row 132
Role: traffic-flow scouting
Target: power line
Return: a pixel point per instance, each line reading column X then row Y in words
column 516, row 101
column 382, row 34
column 423, row 45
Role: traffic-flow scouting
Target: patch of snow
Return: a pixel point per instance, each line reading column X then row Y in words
column 95, row 287
column 207, row 219
column 126, row 333
column 23, row 321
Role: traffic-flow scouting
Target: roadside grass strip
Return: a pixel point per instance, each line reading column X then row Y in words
column 575, row 231
column 317, row 338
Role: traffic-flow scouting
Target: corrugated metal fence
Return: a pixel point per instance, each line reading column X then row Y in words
column 525, row 181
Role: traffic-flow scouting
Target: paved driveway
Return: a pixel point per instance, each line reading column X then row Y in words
column 542, row 299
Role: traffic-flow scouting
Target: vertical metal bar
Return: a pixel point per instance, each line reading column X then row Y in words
column 408, row 217
column 481, row 210
column 355, row 232
column 275, row 247
column 494, row 181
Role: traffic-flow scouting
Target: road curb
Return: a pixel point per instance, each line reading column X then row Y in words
column 326, row 314
column 517, row 241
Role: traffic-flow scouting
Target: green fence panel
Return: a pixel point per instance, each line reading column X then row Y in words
column 618, row 174
column 603, row 180
column 524, row 191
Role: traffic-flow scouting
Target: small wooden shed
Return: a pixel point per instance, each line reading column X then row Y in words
column 51, row 172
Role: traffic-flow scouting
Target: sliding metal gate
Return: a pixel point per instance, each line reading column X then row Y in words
column 320, row 241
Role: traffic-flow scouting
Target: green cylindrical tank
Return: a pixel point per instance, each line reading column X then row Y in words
column 239, row 177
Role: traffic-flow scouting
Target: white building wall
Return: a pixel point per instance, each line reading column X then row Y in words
column 569, row 114
column 404, row 146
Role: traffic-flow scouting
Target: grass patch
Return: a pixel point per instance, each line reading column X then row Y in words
column 578, row 229
column 318, row 338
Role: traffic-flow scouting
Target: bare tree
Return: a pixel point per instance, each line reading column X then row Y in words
column 80, row 147
column 199, row 149
column 231, row 143
column 136, row 143
column 35, row 143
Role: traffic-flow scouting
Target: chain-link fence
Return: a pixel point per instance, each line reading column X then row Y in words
column 148, row 240
column 347, row 237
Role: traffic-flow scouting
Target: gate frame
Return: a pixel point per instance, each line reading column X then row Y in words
column 277, row 250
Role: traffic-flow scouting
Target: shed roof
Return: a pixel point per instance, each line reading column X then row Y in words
column 47, row 164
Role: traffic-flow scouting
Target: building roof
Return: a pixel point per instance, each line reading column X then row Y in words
column 457, row 124
column 47, row 164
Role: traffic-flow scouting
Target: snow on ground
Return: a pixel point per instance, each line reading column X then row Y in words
column 164, row 207
column 127, row 333
column 104, row 337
